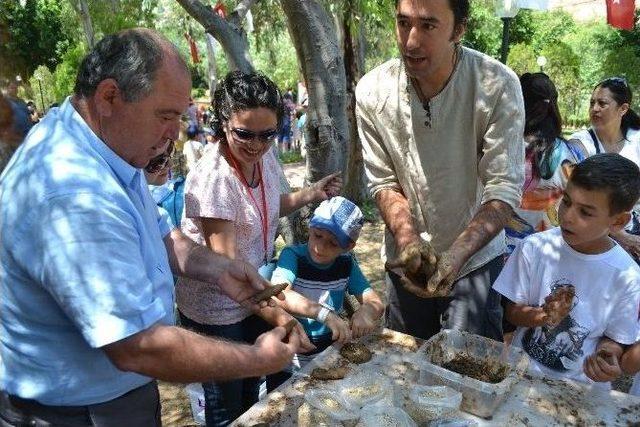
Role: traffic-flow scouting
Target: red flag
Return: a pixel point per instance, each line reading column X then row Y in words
column 621, row 13
column 195, row 58
column 220, row 10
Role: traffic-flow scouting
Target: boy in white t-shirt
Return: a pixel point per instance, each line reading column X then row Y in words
column 572, row 291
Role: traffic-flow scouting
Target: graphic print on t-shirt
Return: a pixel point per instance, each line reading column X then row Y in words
column 558, row 348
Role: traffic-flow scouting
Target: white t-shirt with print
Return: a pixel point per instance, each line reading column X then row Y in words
column 607, row 289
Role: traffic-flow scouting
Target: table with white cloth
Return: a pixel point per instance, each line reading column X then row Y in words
column 533, row 401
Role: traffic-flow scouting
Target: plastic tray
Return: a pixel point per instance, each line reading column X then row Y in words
column 338, row 410
column 385, row 415
column 478, row 398
column 427, row 403
column 364, row 388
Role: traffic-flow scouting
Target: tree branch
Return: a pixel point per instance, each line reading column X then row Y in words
column 231, row 38
column 238, row 14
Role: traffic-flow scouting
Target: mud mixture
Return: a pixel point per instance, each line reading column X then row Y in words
column 480, row 369
column 355, row 352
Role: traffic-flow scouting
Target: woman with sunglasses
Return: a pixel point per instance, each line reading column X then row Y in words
column 615, row 128
column 232, row 204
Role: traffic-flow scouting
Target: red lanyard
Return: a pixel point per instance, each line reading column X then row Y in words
column 263, row 212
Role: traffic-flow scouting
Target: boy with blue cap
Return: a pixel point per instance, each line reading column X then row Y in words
column 321, row 271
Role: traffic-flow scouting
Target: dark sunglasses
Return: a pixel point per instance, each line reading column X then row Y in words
column 244, row 136
column 159, row 162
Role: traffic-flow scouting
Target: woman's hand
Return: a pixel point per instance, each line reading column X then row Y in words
column 327, row 187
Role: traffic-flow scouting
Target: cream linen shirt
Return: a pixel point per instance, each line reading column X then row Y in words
column 472, row 153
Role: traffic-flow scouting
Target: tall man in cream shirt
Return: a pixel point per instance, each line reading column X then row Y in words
column 442, row 135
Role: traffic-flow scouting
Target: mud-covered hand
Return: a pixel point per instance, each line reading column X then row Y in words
column 449, row 265
column 415, row 264
column 327, row 187
column 558, row 304
column 364, row 321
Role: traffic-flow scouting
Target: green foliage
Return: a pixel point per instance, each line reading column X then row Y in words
column 370, row 210
column 33, row 36
column 625, row 62
column 292, row 156
column 279, row 63
column 484, row 30
column 109, row 17
column 522, row 58
column 42, row 85
column 65, row 73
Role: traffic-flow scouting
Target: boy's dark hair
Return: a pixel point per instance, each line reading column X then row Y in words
column 460, row 10
column 244, row 91
column 610, row 172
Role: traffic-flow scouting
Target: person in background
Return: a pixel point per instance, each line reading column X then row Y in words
column 33, row 112
column 193, row 147
column 10, row 138
column 548, row 160
column 166, row 190
column 615, row 128
column 284, row 137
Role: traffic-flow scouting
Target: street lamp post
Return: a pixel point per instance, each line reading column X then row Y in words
column 41, row 96
column 542, row 61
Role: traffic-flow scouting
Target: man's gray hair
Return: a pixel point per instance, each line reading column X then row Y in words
column 130, row 57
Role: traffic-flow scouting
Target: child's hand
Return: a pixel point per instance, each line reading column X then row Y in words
column 602, row 366
column 558, row 304
column 363, row 321
column 340, row 329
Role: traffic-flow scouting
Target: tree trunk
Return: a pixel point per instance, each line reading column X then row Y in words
column 229, row 34
column 212, row 69
column 327, row 129
column 82, row 9
column 355, row 182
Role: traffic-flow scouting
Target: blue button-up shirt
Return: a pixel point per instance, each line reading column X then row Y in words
column 82, row 264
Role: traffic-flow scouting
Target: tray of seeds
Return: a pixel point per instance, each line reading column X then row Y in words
column 483, row 370
column 363, row 388
column 383, row 416
column 427, row 403
column 332, row 404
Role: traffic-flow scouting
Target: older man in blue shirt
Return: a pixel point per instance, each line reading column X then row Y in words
column 86, row 260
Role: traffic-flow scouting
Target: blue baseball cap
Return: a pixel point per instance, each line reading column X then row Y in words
column 341, row 217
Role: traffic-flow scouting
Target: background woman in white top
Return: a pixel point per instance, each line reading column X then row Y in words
column 615, row 128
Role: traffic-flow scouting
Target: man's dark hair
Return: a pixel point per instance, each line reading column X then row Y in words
column 460, row 10
column 618, row 176
column 130, row 57
column 244, row 91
